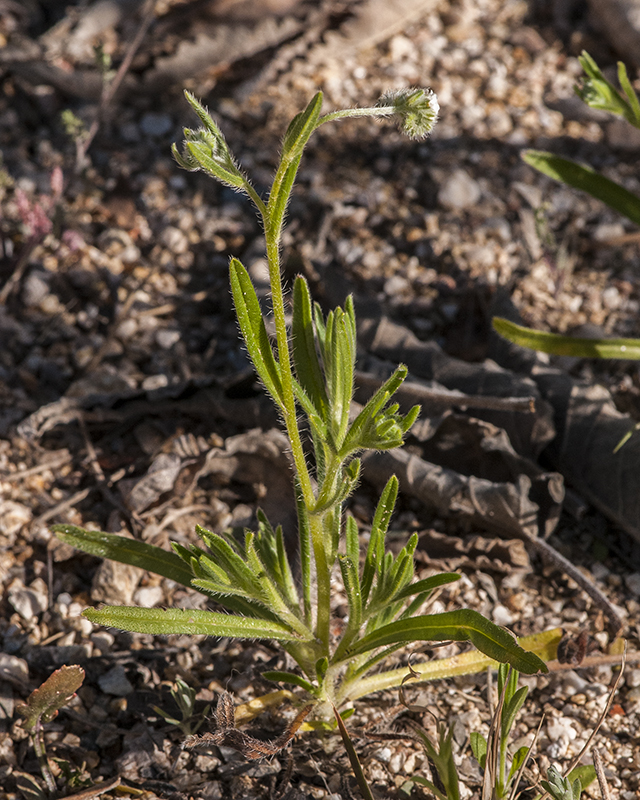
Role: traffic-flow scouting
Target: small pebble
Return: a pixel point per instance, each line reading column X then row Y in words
column 167, row 338
column 501, row 615
column 103, row 640
column 156, row 124
column 175, row 240
column 459, row 191
column 383, row 755
column 115, row 682
column 633, row 583
column 115, row 583
column 35, row 288
column 155, row 382
column 30, row 601
column 396, row 284
column 14, row 668
column 148, row 596
column 13, row 517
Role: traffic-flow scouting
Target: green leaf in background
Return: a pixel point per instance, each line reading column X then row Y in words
column 126, row 551
column 587, row 180
column 190, row 621
column 559, row 345
column 462, row 625
column 597, row 92
column 478, row 748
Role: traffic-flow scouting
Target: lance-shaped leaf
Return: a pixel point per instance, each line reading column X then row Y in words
column 254, row 331
column 305, row 356
column 126, row 551
column 588, row 180
column 379, row 527
column 193, row 622
column 45, row 701
column 301, row 127
column 459, row 626
column 428, row 584
column 559, row 345
column 290, row 677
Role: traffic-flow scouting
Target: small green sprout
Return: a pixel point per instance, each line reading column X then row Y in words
column 184, row 697
column 42, row 706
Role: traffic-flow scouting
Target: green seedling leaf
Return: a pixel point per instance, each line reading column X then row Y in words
column 561, row 788
column 519, row 757
column 356, row 766
column 556, row 344
column 254, row 331
column 45, row 701
column 463, row 625
column 301, row 127
column 126, row 551
column 442, row 758
column 193, row 622
column 585, row 773
column 597, row 92
column 478, row 748
column 587, row 180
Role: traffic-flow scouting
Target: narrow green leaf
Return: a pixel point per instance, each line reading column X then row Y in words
column 352, row 540
column 231, row 562
column 379, row 527
column 463, row 625
column 587, row 180
column 556, row 344
column 478, row 748
column 126, row 551
column 585, row 773
column 510, row 710
column 353, row 758
column 428, row 584
column 305, row 356
column 519, row 757
column 278, row 676
column 351, row 581
column 189, row 621
column 301, row 127
column 317, row 423
column 627, row 88
column 304, row 541
column 254, row 331
column 235, row 601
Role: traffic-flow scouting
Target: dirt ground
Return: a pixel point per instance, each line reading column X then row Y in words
column 127, row 403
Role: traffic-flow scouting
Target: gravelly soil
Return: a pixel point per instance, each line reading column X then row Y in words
column 127, row 293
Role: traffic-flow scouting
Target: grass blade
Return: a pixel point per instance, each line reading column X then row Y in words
column 559, row 345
